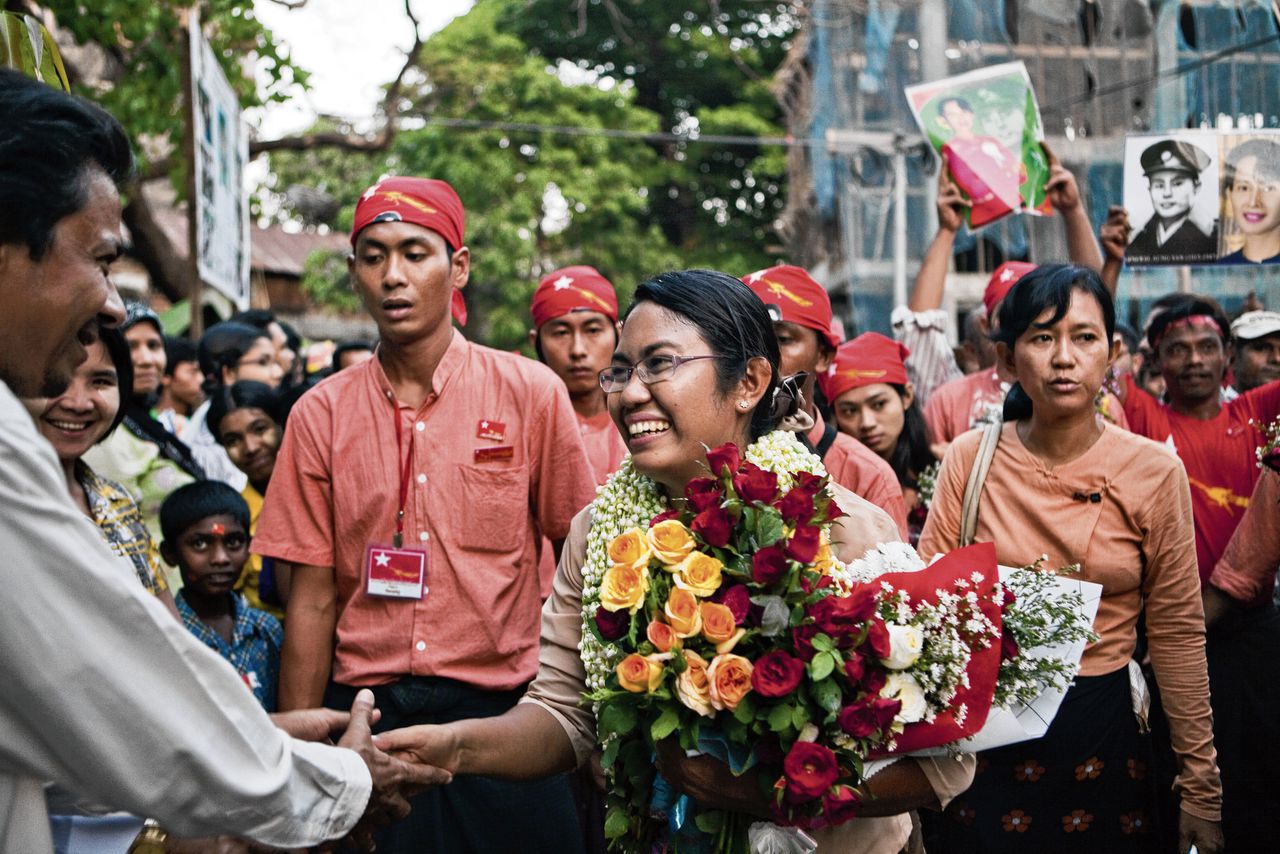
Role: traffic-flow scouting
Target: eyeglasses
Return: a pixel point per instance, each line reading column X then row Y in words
column 264, row 361
column 652, row 370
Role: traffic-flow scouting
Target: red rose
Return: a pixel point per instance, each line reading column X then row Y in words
column 753, row 483
column 810, row 770
column 664, row 516
column 796, row 506
column 613, row 624
column 1009, row 599
column 808, row 483
column 885, row 710
column 776, row 674
column 833, row 511
column 854, row 667
column 713, row 525
column 873, row 681
column 703, row 493
column 840, row 616
column 808, row 586
column 802, row 640
column 737, row 599
column 724, row 456
column 878, row 638
column 768, row 565
column 1008, row 645
column 840, row 805
column 803, row 545
column 858, row 720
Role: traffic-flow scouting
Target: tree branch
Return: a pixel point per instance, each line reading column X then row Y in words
column 379, row 141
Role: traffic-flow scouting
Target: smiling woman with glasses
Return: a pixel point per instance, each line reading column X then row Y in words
column 703, row 347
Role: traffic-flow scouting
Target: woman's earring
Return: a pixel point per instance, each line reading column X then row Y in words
column 742, row 404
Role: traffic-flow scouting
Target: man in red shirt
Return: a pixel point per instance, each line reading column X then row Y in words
column 410, row 495
column 575, row 328
column 802, row 320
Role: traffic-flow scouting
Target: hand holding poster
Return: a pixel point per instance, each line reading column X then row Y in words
column 985, row 125
column 1203, row 197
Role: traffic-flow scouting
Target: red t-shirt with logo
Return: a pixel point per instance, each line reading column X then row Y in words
column 1219, row 455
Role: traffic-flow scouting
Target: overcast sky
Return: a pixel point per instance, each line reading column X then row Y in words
column 351, row 49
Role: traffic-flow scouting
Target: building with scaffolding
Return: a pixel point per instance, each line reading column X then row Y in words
column 861, row 211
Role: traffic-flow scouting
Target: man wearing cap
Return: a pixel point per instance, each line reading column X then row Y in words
column 1257, row 351
column 410, row 495
column 802, row 320
column 575, row 328
column 1172, row 169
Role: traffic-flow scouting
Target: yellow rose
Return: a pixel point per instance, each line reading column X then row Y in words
column 824, row 561
column 638, row 674
column 682, row 613
column 671, row 542
column 730, row 677
column 699, row 574
column 661, row 636
column 693, row 688
column 717, row 622
column 623, row 587
column 630, row 548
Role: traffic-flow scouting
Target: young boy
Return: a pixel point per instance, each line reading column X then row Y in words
column 206, row 535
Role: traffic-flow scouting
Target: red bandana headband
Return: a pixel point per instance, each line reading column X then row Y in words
column 866, row 360
column 569, row 289
column 800, row 299
column 1191, row 321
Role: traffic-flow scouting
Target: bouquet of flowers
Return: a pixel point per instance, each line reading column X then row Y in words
column 1269, row 451
column 731, row 626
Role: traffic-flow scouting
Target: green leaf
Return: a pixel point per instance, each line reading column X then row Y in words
column 823, row 642
column 769, row 527
column 617, row 718
column 827, row 694
column 665, row 724
column 746, row 711
column 821, row 666
column 710, row 822
column 780, row 717
column 799, row 717
column 610, row 753
column 616, row 824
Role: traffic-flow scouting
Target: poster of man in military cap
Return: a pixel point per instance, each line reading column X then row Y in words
column 985, row 125
column 1171, row 193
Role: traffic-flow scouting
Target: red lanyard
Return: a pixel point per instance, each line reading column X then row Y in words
column 398, row 539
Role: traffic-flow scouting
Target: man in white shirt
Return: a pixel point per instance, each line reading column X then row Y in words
column 104, row 693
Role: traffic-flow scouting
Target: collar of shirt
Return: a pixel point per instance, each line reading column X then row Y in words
column 244, row 624
column 455, row 355
column 1163, row 233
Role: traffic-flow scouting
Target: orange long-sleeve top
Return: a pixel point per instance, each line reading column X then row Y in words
column 1137, row 539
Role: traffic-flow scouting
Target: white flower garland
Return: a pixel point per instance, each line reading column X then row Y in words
column 629, row 500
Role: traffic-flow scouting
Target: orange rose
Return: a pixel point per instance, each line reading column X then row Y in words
column 661, row 636
column 623, row 587
column 699, row 574
column 638, row 674
column 824, row 561
column 728, row 645
column 682, row 613
column 730, row 677
column 717, row 622
column 630, row 548
column 670, row 541
column 693, row 687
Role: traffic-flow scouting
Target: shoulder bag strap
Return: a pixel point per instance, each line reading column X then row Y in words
column 973, row 488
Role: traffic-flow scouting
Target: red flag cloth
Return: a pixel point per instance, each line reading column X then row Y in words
column 1002, row 281
column 427, row 202
column 799, row 298
column 868, row 359
column 569, row 289
column 984, row 664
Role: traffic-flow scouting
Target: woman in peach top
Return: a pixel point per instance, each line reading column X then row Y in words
column 1066, row 484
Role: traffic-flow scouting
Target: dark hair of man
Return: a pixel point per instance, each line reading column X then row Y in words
column 1049, row 286
column 1129, row 336
column 117, row 347
column 911, row 455
column 1195, row 306
column 258, row 317
column 731, row 319
column 223, row 345
column 50, row 143
column 291, row 337
column 1268, row 160
column 188, row 505
column 177, row 351
column 335, row 362
column 959, row 102
column 246, row 394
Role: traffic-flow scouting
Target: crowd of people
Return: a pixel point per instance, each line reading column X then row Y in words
column 396, row 544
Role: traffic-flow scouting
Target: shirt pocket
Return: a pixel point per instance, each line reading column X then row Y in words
column 492, row 512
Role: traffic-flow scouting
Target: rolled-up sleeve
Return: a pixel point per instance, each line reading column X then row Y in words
column 107, row 695
column 1247, row 569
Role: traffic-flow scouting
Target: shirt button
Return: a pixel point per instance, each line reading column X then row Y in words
column 420, row 646
column 422, row 478
column 420, row 426
column 424, row 536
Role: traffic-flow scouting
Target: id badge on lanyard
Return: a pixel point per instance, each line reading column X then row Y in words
column 394, row 570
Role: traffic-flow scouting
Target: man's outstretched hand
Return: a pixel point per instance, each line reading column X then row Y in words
column 394, row 780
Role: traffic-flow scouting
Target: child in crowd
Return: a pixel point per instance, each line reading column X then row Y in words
column 206, row 535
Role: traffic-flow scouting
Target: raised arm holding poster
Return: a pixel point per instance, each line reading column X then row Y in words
column 985, row 125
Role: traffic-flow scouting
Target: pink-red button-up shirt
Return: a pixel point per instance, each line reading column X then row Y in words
column 335, row 490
